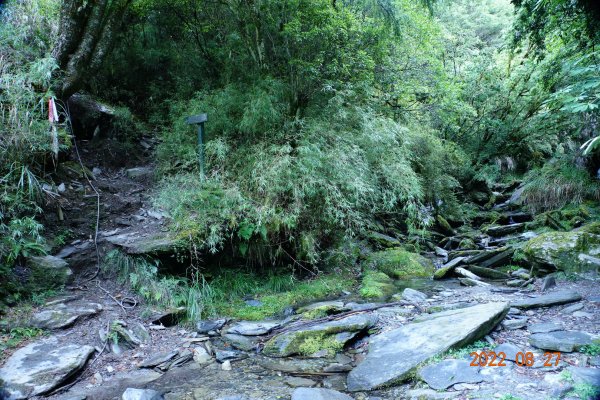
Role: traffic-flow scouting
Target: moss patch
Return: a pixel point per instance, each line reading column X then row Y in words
column 376, row 285
column 400, row 264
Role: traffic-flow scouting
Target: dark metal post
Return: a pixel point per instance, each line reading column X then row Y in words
column 199, row 120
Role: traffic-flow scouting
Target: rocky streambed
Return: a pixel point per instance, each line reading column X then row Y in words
column 403, row 339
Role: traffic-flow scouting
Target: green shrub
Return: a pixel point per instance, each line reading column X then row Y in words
column 557, row 184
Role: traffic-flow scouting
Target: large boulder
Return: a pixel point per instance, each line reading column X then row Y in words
column 400, row 264
column 330, row 336
column 393, row 355
column 574, row 251
column 42, row 366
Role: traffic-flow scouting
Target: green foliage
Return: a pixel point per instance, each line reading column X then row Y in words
column 591, row 349
column 16, row 336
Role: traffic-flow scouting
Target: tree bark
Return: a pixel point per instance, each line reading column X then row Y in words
column 87, row 32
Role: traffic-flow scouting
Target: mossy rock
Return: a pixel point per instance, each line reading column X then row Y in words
column 573, row 251
column 376, row 285
column 46, row 273
column 330, row 336
column 400, row 264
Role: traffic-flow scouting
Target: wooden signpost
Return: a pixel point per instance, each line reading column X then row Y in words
column 199, row 120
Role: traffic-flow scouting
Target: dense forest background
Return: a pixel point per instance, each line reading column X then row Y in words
column 328, row 119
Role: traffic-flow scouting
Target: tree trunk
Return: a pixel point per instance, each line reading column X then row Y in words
column 87, row 32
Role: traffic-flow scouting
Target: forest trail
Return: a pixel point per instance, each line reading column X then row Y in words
column 120, row 344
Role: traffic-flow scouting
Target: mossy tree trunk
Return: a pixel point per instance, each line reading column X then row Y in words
column 87, row 33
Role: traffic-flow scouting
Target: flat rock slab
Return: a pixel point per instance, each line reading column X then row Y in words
column 59, row 316
column 134, row 243
column 565, row 341
column 318, row 394
column 41, row 366
column 450, row 372
column 510, row 351
column 340, row 331
column 394, row 354
column 547, row 300
column 251, row 328
column 545, row 327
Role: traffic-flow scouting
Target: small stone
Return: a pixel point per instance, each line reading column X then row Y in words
column 253, row 303
column 413, row 296
column 141, row 394
column 449, row 372
column 547, row 300
column 158, row 359
column 96, row 171
column 514, row 311
column 61, row 188
column 515, row 282
column 201, row 356
column 251, row 328
column 510, row 350
column 226, row 366
column 335, row 382
column 98, row 378
column 229, row 355
column 511, row 324
column 544, row 327
column 583, row 314
column 110, row 369
column 548, row 283
column 294, row 381
column 205, row 327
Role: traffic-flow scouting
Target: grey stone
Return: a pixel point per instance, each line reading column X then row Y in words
column 60, row 316
column 516, row 323
column 572, row 309
column 472, row 282
column 548, row 283
column 394, row 354
column 544, row 327
column 413, row 296
column 241, row 342
column 289, row 342
column 590, row 376
column 318, row 394
column 229, row 355
column 201, row 355
column 510, row 350
column 41, row 366
column 205, row 327
column 547, row 300
column 134, row 243
column 251, row 328
column 295, row 381
column 139, row 172
column 565, row 341
column 583, row 314
column 158, row 359
column 253, row 303
column 449, row 372
column 515, row 282
column 141, row 394
column 335, row 382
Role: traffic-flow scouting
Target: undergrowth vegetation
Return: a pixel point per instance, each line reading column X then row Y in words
column 223, row 292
